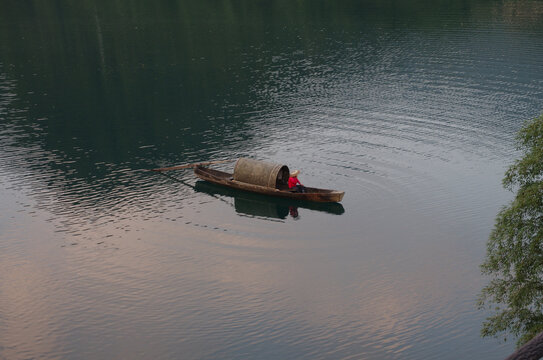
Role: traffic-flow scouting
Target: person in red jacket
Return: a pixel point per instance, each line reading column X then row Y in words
column 294, row 182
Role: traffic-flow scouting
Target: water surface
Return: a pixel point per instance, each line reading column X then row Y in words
column 409, row 108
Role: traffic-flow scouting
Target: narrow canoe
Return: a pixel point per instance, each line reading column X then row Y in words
column 227, row 179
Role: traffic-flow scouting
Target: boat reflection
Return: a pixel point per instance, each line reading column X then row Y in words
column 247, row 203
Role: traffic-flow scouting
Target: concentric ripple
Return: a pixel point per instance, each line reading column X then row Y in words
column 412, row 113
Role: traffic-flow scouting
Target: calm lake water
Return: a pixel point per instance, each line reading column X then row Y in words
column 409, row 107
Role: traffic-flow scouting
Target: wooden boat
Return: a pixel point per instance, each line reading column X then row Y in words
column 259, row 177
column 280, row 190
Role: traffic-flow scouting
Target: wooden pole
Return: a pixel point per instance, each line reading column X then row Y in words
column 193, row 165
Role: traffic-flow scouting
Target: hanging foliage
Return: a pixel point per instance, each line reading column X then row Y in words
column 514, row 258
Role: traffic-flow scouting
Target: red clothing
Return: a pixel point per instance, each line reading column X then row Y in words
column 292, row 181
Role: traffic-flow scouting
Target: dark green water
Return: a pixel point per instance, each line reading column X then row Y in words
column 409, row 107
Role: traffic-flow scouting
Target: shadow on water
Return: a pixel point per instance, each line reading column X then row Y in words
column 265, row 206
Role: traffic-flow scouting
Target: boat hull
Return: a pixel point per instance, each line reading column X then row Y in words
column 226, row 179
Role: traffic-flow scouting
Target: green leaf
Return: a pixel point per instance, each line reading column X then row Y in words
column 514, row 259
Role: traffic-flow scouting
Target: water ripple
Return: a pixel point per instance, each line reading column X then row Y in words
column 415, row 124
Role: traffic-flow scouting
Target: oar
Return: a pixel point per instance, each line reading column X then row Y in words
column 186, row 166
